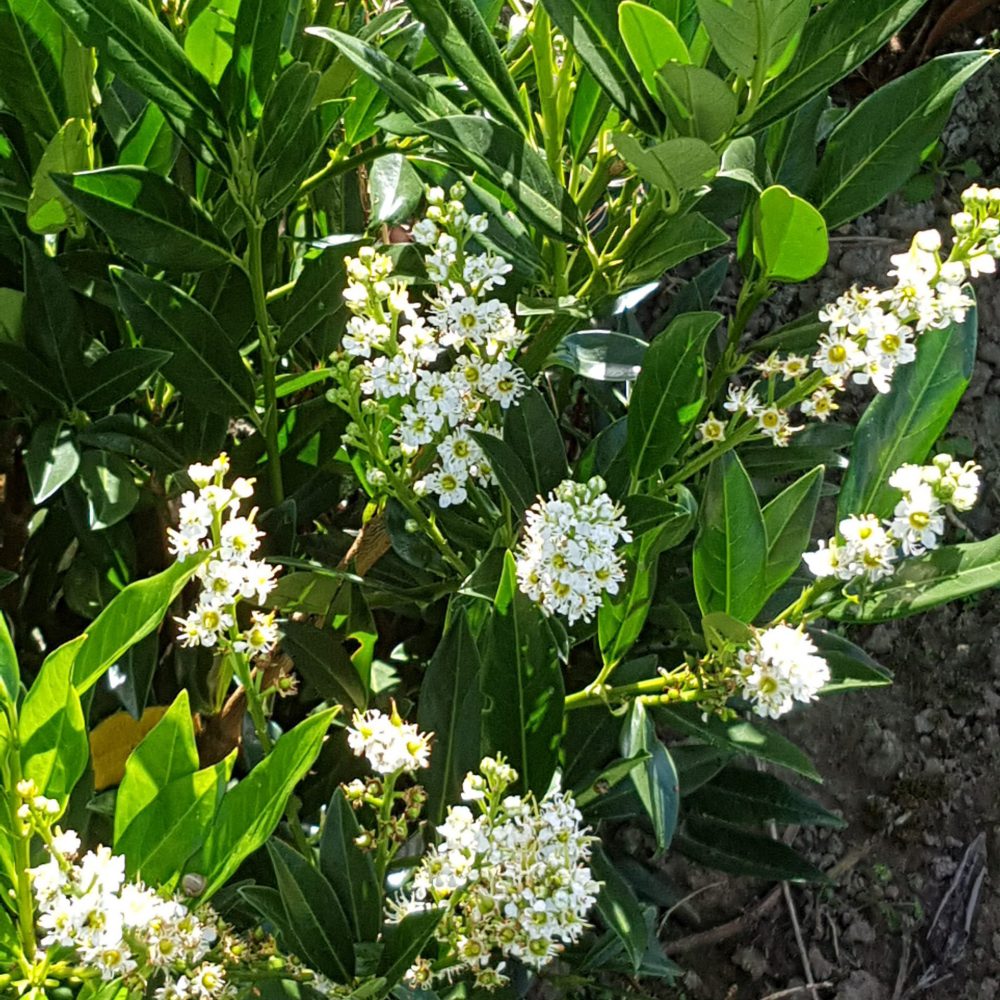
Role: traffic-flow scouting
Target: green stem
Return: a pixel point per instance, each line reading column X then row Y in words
column 750, row 296
column 656, row 690
column 383, row 854
column 268, row 356
column 255, row 703
column 22, row 841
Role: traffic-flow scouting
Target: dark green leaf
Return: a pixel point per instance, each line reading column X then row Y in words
column 740, row 795
column 602, row 355
column 902, row 425
column 618, row 906
column 667, row 396
column 511, row 475
column 788, row 519
column 620, row 618
column 674, row 166
column 727, row 848
column 349, row 870
column 148, row 217
column 457, row 30
column 108, row 483
column 395, row 189
column 322, row 660
column 256, row 43
column 533, row 434
column 118, row 375
column 879, row 145
column 677, row 240
column 404, row 942
column 850, row 666
column 141, row 50
column 450, row 706
column 522, row 687
column 591, row 26
column 656, row 779
column 697, row 102
column 51, row 459
column 28, row 378
column 204, row 364
column 697, row 764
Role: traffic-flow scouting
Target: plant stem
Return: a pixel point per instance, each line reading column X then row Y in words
column 382, row 855
column 656, row 690
column 268, row 356
column 750, row 296
column 22, row 841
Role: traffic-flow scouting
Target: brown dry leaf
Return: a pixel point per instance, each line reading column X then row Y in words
column 112, row 740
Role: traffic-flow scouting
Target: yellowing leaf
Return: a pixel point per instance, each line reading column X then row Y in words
column 114, row 739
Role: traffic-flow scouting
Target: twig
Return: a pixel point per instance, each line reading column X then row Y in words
column 686, row 899
column 836, row 937
column 904, row 969
column 825, row 985
column 786, row 890
column 730, row 929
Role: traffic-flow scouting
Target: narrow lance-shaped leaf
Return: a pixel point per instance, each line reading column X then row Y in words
column 788, row 519
column 656, row 778
column 10, row 675
column 256, row 44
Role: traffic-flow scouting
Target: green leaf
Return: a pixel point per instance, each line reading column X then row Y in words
column 592, row 29
column 322, row 935
column 119, row 375
column 674, row 166
column 697, row 764
column 404, row 942
column 850, row 666
column 511, row 475
column 250, row 811
column 150, row 142
column 159, row 839
column 651, row 39
column 665, row 523
column 602, row 355
column 204, row 364
column 835, row 41
column 901, row 426
column 533, row 434
column 29, row 378
column 667, row 395
column 618, row 906
column 788, row 519
column 522, row 687
column 139, row 49
column 923, row 582
column 880, row 144
column 728, row 848
column 208, row 42
column 148, row 217
column 108, row 483
column 52, row 730
column 349, row 870
column 677, row 240
column 131, row 616
column 746, row 31
column 790, row 240
column 620, row 619
column 166, row 753
column 395, row 189
column 10, row 674
column 505, row 157
column 656, row 779
column 51, row 459
column 451, row 706
column 320, row 657
column 696, row 101
column 256, row 44
column 69, row 150
column 740, row 795
column 457, row 30
column 742, row 737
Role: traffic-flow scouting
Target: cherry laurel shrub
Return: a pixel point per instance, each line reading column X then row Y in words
column 373, row 551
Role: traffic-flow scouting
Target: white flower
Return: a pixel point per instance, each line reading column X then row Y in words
column 387, row 742
column 918, row 522
column 567, row 560
column 712, row 429
column 868, row 548
column 837, row 355
column 780, row 666
column 741, row 400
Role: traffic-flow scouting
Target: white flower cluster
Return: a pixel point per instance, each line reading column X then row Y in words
column 517, row 877
column 210, row 522
column 567, row 560
column 388, row 743
column 779, row 667
column 868, row 549
column 124, row 930
column 450, row 368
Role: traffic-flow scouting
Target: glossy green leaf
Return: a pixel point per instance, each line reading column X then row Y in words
column 728, row 848
column 788, row 519
column 513, row 478
column 149, row 217
column 395, row 189
column 52, row 730
column 592, row 29
column 674, row 166
column 618, row 906
column 790, row 239
column 208, row 41
column 697, row 102
column 881, row 142
column 131, row 616
column 902, row 425
column 835, row 41
column 697, row 764
column 313, row 914
column 741, row 795
column 451, row 705
column 588, row 113
column 404, row 942
column 603, row 355
column 505, row 157
column 320, row 657
column 108, row 483
column 522, row 687
column 744, row 32
column 349, row 870
column 51, row 459
column 29, row 377
column 119, row 375
column 667, row 395
column 850, row 666
column 256, row 44
column 10, row 674
column 150, row 142
column 457, row 30
column 676, row 240
column 620, row 618
column 730, row 552
column 69, row 150
column 250, row 811
column 651, row 40
column 204, row 364
column 532, row 432
column 655, row 780
column 137, row 47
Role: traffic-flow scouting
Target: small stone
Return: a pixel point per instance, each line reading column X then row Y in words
column 988, row 990
column 862, row 986
column 822, row 969
column 860, row 932
column 752, row 962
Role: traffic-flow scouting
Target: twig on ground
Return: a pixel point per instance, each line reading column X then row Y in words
column 904, row 968
column 781, row 994
column 686, row 899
